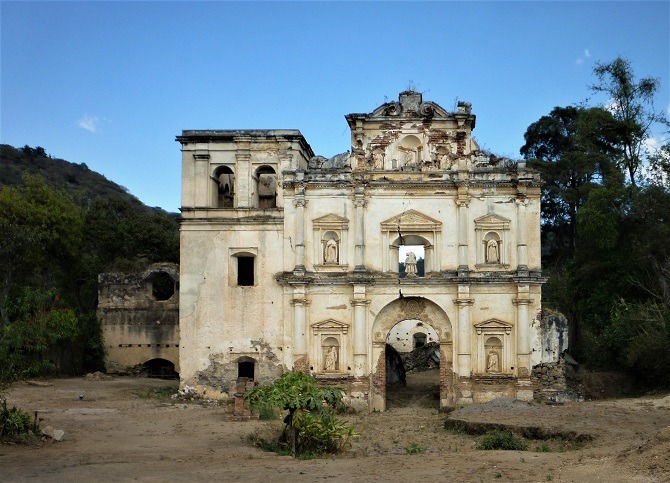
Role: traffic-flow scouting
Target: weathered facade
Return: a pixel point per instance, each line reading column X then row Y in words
column 139, row 316
column 291, row 261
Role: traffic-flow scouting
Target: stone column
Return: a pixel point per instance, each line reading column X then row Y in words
column 243, row 178
column 462, row 233
column 360, row 331
column 521, row 235
column 299, row 230
column 202, row 180
column 299, row 327
column 359, row 203
column 523, row 330
column 464, row 302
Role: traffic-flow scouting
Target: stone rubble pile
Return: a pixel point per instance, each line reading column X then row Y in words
column 423, row 358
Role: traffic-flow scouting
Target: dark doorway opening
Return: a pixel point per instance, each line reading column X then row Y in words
column 245, row 369
column 161, row 369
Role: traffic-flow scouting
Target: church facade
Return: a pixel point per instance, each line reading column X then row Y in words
column 291, row 261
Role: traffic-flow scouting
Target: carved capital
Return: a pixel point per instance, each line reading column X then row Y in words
column 464, row 302
column 522, row 301
column 359, row 302
column 521, row 201
column 300, row 301
column 462, row 203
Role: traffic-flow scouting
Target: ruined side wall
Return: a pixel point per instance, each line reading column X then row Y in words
column 136, row 326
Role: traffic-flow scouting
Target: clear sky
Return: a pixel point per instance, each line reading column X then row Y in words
column 111, row 84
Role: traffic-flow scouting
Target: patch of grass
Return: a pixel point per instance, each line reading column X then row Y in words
column 501, row 440
column 414, row 449
column 162, row 393
column 543, row 448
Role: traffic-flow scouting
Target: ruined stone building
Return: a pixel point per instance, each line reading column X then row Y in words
column 292, row 261
column 139, row 317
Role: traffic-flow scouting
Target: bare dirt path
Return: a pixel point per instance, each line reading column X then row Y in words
column 118, row 433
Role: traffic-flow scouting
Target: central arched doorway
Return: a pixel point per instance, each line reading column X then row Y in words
column 412, row 365
column 429, row 314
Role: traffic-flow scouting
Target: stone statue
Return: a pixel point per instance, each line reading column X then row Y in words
column 493, row 362
column 410, row 264
column 378, row 159
column 331, row 359
column 492, row 255
column 330, row 252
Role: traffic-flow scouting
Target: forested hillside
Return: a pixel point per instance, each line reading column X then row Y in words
column 61, row 225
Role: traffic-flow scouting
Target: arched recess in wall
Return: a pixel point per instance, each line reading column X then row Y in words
column 266, row 187
column 223, row 188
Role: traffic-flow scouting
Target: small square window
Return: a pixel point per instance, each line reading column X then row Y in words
column 245, row 271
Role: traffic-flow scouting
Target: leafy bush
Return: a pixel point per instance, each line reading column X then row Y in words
column 14, row 423
column 311, row 426
column 502, row 440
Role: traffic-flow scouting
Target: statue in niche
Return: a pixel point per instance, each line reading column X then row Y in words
column 492, row 252
column 331, row 359
column 330, row 252
column 493, row 362
column 410, row 264
column 378, row 159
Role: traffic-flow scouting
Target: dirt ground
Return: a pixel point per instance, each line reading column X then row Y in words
column 121, row 431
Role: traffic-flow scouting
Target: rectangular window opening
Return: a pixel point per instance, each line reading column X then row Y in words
column 245, row 271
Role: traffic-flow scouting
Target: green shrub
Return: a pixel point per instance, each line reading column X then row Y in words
column 311, row 426
column 502, row 440
column 414, row 449
column 14, row 423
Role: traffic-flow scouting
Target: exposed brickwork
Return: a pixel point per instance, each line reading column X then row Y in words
column 236, row 410
column 379, row 377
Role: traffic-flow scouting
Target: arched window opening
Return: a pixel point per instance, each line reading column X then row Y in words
column 411, row 261
column 419, row 340
column 266, row 187
column 224, row 181
column 245, row 368
column 245, row 270
column 162, row 286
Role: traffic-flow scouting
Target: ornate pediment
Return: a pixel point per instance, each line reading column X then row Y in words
column 492, row 325
column 491, row 221
column 330, row 325
column 411, row 220
column 330, row 221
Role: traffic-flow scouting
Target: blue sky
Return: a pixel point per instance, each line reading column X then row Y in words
column 111, row 84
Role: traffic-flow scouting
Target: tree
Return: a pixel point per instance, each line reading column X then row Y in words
column 572, row 148
column 35, row 330
column 44, row 235
column 311, row 424
column 632, row 105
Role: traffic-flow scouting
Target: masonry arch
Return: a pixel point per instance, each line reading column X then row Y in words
column 161, row 368
column 411, row 241
column 428, row 312
column 223, row 187
column 265, row 178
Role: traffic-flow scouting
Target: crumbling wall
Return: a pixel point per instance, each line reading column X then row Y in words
column 556, row 381
column 140, row 319
column 554, row 335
